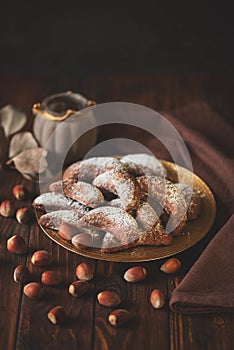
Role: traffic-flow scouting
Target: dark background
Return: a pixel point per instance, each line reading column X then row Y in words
column 67, row 38
column 161, row 54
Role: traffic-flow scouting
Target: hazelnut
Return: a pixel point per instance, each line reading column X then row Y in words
column 50, row 278
column 108, row 298
column 33, row 290
column 67, row 231
column 16, row 244
column 84, row 272
column 57, row 315
column 78, row 288
column 41, row 258
column 21, row 274
column 19, row 192
column 6, row 209
column 135, row 274
column 118, row 317
column 23, row 215
column 82, row 240
column 157, row 298
column 171, row 266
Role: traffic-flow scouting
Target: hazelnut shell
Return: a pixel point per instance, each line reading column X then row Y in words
column 16, row 244
column 84, row 272
column 33, row 290
column 108, row 298
column 57, row 315
column 21, row 274
column 41, row 258
column 135, row 274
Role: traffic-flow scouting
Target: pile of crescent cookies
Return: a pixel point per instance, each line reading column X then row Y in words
column 118, row 203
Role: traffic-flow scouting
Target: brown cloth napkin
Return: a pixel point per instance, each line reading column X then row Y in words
column 210, row 140
column 209, row 285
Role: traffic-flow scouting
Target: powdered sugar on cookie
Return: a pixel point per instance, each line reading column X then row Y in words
column 121, row 184
column 55, row 218
column 114, row 220
column 149, row 165
column 169, row 197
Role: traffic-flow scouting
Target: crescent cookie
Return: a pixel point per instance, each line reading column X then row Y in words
column 169, row 197
column 122, row 184
column 53, row 201
column 148, row 164
column 156, row 236
column 55, row 218
column 86, row 170
column 58, row 186
column 193, row 200
column 146, row 216
column 116, row 202
column 114, row 220
column 111, row 244
column 80, row 191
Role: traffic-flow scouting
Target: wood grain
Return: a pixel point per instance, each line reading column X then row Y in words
column 23, row 322
column 148, row 327
column 80, row 311
column 10, row 301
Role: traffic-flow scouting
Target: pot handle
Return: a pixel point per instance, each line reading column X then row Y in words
column 91, row 103
column 37, row 109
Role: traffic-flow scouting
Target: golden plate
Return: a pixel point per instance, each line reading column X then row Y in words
column 195, row 229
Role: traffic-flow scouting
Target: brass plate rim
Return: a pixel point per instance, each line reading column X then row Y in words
column 150, row 253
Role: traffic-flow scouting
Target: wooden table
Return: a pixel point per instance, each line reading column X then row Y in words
column 23, row 322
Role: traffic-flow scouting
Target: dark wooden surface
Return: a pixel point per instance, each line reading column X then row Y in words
column 23, row 323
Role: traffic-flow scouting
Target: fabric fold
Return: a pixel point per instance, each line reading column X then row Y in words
column 209, row 285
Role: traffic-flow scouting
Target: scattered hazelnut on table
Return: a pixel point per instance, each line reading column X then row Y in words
column 171, row 266
column 16, row 244
column 34, row 290
column 6, row 209
column 67, row 231
column 118, row 317
column 78, row 288
column 23, row 215
column 41, row 258
column 135, row 274
column 21, row 274
column 57, row 315
column 108, row 298
column 157, row 298
column 84, row 272
column 19, row 192
column 51, row 278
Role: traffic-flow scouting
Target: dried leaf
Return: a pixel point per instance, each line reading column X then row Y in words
column 11, row 119
column 31, row 161
column 3, row 147
column 21, row 142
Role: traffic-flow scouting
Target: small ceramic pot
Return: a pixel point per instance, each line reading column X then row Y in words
column 65, row 110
